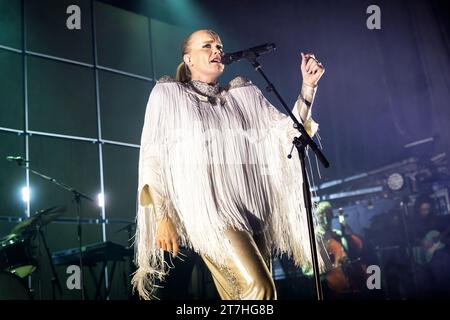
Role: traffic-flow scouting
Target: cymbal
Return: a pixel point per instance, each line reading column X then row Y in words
column 8, row 238
column 42, row 218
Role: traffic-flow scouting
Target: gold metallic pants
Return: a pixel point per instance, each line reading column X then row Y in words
column 247, row 273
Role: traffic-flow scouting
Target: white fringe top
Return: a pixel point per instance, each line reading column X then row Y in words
column 212, row 164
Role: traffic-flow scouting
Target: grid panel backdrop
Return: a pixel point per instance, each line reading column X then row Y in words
column 73, row 103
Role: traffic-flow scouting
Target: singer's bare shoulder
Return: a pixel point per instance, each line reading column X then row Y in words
column 238, row 82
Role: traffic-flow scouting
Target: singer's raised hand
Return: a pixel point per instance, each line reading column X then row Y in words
column 311, row 68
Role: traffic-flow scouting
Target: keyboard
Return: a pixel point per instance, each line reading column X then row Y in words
column 92, row 254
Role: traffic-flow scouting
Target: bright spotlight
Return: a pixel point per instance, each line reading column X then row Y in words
column 101, row 200
column 26, row 194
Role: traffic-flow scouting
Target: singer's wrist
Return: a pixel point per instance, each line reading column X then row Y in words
column 307, row 94
column 308, row 84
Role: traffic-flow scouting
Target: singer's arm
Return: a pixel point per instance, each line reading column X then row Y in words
column 303, row 107
column 311, row 71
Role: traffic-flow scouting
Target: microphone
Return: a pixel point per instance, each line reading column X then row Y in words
column 17, row 159
column 229, row 58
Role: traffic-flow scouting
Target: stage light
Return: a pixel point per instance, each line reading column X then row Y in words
column 25, row 194
column 395, row 181
column 101, row 200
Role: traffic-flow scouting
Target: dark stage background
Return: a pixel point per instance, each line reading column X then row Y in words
column 72, row 102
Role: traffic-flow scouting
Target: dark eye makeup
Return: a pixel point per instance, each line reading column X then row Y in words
column 208, row 45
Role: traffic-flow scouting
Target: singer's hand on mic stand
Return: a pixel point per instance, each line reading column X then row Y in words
column 311, row 69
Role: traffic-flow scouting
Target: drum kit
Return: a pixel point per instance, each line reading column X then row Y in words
column 18, row 253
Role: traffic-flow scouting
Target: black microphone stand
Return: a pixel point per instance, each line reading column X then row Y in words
column 404, row 215
column 55, row 280
column 301, row 143
column 77, row 196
